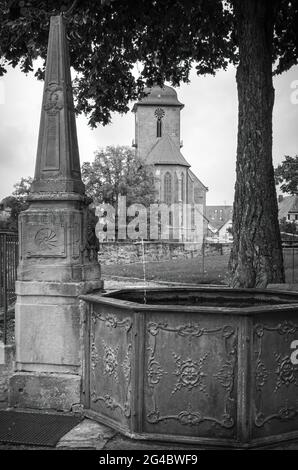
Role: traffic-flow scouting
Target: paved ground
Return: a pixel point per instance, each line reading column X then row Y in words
column 90, row 435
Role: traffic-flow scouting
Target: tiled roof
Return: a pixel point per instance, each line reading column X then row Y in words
column 219, row 215
column 165, row 152
column 289, row 204
column 194, row 177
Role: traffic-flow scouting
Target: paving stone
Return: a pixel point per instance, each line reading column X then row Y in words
column 86, row 435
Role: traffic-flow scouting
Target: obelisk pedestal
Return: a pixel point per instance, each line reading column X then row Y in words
column 55, row 264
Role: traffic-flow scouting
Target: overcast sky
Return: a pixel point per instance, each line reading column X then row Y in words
column 208, row 129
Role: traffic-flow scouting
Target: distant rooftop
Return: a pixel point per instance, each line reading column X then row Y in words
column 219, row 215
column 289, row 204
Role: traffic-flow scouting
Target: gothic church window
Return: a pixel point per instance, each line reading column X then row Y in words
column 192, row 217
column 182, row 187
column 176, row 188
column 168, row 188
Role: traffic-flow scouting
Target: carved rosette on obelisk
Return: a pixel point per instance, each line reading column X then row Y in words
column 56, row 264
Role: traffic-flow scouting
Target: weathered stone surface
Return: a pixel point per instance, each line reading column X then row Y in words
column 48, row 334
column 87, row 435
column 55, row 289
column 44, row 391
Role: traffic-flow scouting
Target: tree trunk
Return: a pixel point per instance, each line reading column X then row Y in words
column 256, row 257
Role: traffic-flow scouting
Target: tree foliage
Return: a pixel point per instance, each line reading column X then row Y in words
column 288, row 227
column 118, row 47
column 165, row 37
column 22, row 189
column 117, row 171
column 17, row 201
column 286, row 175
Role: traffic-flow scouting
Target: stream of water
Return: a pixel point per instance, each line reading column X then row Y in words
column 144, row 270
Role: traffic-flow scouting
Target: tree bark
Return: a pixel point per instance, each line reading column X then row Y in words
column 256, row 257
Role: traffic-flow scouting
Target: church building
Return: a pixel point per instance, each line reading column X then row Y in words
column 158, row 143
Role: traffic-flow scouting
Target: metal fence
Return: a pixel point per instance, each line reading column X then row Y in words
column 8, row 273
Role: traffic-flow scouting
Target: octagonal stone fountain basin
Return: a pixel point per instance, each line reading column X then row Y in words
column 196, row 365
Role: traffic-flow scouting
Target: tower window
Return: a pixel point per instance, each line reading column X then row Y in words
column 159, row 114
column 158, row 127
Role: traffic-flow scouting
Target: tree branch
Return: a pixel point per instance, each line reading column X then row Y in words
column 68, row 13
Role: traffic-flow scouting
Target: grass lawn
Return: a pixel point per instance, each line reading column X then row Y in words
column 190, row 271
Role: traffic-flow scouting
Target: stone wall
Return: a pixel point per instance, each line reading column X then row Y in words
column 128, row 253
column 217, row 249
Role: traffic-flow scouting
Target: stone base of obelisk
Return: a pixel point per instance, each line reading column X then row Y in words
column 49, row 345
column 40, row 391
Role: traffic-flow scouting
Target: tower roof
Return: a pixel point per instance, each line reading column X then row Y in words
column 159, row 96
column 165, row 152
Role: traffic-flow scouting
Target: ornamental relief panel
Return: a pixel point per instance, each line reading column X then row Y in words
column 110, row 362
column 53, row 99
column 45, row 240
column 274, row 372
column 190, row 372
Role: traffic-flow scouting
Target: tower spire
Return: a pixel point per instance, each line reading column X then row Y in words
column 58, row 163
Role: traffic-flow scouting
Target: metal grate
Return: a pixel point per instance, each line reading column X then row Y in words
column 34, row 429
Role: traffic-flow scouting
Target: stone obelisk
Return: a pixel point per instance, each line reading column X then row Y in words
column 56, row 263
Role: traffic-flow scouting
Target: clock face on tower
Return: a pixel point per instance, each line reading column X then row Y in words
column 159, row 113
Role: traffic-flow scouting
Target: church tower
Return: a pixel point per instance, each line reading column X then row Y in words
column 157, row 142
column 156, row 115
